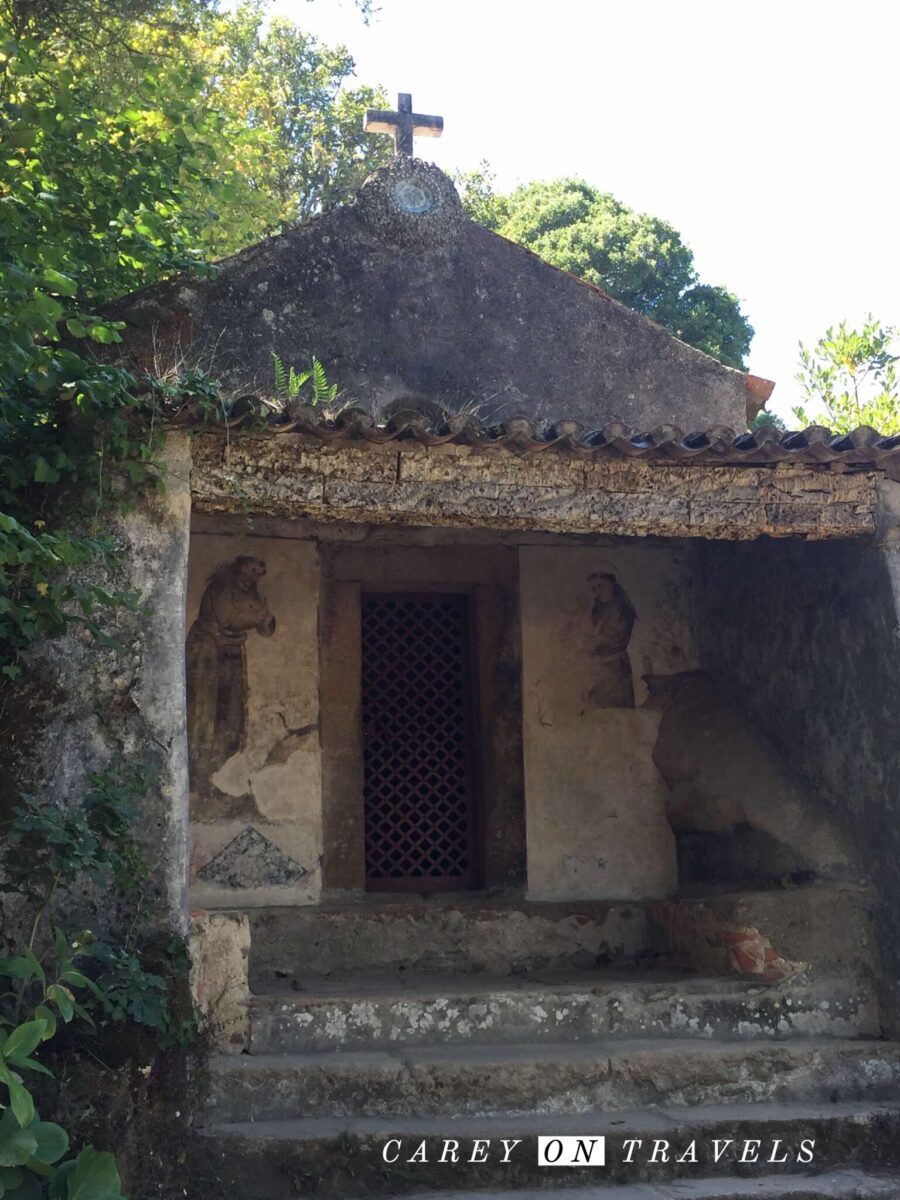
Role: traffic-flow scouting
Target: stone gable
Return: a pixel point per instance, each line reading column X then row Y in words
column 402, row 298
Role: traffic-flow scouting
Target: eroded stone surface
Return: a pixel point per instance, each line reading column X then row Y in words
column 366, row 1011
column 411, row 203
column 596, row 803
column 722, row 772
column 271, row 776
column 290, row 475
column 502, row 937
column 220, row 952
column 823, row 683
column 598, row 1076
column 337, row 1157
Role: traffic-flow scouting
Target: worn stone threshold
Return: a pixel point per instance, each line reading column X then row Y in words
column 834, row 1185
column 403, row 984
column 649, row 1120
column 516, row 899
column 598, row 1049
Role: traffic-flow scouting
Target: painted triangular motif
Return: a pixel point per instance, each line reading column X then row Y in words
column 251, row 861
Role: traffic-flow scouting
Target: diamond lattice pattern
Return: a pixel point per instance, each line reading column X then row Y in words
column 418, row 778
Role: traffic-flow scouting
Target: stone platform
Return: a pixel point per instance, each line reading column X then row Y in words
column 342, row 1159
column 458, row 934
column 827, row 926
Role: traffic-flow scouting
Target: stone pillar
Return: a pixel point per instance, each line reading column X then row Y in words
column 220, row 953
column 158, row 539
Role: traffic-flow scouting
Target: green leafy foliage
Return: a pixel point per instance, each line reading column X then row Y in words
column 29, row 1164
column 127, row 991
column 289, row 381
column 192, row 388
column 49, row 853
column 638, row 259
column 297, row 145
column 49, row 847
column 849, row 378
column 90, row 206
column 140, row 138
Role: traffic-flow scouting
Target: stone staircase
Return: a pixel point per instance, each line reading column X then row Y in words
column 432, row 1029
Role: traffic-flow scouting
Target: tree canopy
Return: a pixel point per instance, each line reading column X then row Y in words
column 637, row 258
column 296, row 144
column 849, row 378
column 139, row 137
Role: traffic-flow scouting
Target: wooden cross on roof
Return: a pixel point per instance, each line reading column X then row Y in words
column 404, row 124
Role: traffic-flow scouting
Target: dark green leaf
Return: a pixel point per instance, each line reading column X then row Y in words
column 16, row 1147
column 24, row 1039
column 95, row 1176
column 52, row 1141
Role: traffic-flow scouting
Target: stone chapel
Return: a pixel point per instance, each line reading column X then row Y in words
column 530, row 730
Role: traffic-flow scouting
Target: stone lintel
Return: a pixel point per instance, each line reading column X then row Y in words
column 453, row 486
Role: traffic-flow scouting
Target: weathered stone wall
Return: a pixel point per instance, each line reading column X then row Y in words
column 83, row 708
column 807, row 636
column 739, row 811
column 595, row 802
column 455, row 315
column 90, row 708
column 256, row 826
column 289, row 475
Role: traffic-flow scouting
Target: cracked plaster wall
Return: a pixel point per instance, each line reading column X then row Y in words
column 595, row 802
column 257, row 831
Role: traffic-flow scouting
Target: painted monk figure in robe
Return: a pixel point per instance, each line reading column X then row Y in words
column 217, row 664
column 612, row 620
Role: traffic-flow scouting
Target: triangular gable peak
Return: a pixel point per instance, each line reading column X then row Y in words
column 402, row 298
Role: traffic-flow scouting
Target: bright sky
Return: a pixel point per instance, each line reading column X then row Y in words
column 765, row 133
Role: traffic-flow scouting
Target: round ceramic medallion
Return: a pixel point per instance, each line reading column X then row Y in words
column 413, row 197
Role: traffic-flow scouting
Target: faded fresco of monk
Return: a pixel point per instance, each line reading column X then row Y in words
column 217, row 664
column 612, row 620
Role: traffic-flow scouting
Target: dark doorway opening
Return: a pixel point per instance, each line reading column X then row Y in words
column 419, row 748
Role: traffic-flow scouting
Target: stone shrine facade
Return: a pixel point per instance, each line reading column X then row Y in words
column 519, row 682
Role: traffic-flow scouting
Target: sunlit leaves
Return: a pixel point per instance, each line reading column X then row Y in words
column 91, row 205
column 849, row 378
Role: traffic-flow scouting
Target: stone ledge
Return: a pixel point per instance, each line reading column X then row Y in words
column 293, row 477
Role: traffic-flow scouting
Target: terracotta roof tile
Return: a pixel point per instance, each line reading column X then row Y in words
column 719, row 445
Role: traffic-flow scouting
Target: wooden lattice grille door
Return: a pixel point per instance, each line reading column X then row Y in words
column 418, row 752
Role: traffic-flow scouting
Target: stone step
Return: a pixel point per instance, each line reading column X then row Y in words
column 473, row 1080
column 445, row 935
column 332, row 1159
column 833, row 1185
column 377, row 1012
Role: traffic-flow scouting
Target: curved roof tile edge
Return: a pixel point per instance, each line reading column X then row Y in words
column 815, row 445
